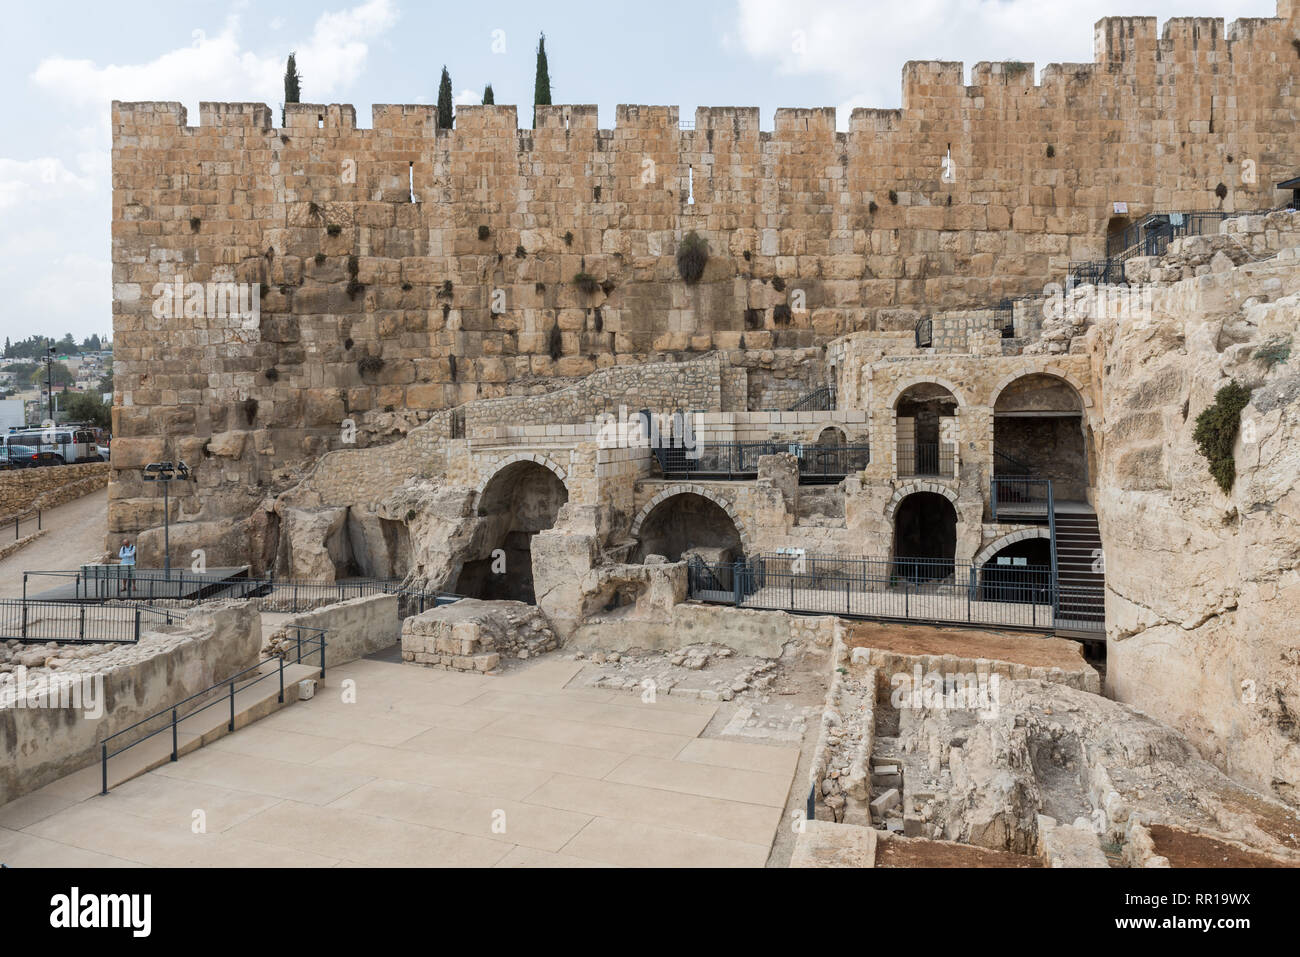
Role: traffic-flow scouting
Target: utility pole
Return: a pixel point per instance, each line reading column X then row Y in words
column 48, row 359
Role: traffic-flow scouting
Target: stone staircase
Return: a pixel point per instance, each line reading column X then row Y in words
column 1080, row 568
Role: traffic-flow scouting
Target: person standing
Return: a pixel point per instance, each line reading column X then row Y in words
column 126, row 558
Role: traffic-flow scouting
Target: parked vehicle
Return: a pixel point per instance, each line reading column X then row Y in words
column 27, row 457
column 66, row 443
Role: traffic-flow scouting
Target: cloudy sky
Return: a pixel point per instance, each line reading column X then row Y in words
column 63, row 63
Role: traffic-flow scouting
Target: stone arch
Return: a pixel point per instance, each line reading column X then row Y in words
column 911, row 488
column 521, row 497
column 925, row 536
column 1011, row 538
column 499, row 466
column 830, row 436
column 906, row 384
column 673, row 491
column 1068, row 378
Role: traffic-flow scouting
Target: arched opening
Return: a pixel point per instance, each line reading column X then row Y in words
column 1038, row 432
column 1020, row 572
column 689, row 525
column 831, row 438
column 926, row 429
column 524, row 498
column 925, row 537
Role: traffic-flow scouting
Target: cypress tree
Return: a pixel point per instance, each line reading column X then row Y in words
column 542, row 89
column 292, row 90
column 489, row 99
column 445, row 117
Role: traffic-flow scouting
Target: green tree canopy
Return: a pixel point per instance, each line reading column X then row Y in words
column 445, row 115
column 542, row 88
column 292, row 84
column 489, row 98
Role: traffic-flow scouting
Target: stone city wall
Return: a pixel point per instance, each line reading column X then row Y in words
column 407, row 267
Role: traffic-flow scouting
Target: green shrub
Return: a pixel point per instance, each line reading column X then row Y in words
column 1275, row 351
column 586, row 282
column 692, row 256
column 334, row 229
column 1216, row 431
column 370, row 365
column 555, row 343
column 484, row 232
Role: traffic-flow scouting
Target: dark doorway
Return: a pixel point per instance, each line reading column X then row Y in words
column 524, row 498
column 1021, row 572
column 690, row 522
column 925, row 537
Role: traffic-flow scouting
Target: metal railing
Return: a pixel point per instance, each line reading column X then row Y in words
column 819, row 400
column 25, row 619
column 1150, row 237
column 276, row 595
column 738, row 461
column 1004, row 464
column 1019, row 496
column 306, row 638
column 897, row 589
column 831, row 463
column 920, row 459
column 30, row 520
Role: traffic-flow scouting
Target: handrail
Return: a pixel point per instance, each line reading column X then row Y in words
column 1051, row 537
column 1012, row 462
column 20, row 617
column 819, row 400
column 19, row 517
column 317, row 636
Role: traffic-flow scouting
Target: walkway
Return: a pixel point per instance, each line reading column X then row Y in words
column 432, row 768
column 74, row 535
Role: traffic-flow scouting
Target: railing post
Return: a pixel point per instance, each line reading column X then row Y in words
column 103, row 767
column 174, row 754
column 231, row 727
column 38, row 519
column 320, row 635
column 993, row 498
column 970, row 593
column 281, row 660
column 81, row 624
column 137, row 625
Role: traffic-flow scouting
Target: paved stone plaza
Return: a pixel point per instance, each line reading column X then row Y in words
column 417, row 771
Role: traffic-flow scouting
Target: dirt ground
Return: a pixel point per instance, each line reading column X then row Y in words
column 1184, row 849
column 905, row 852
column 1030, row 650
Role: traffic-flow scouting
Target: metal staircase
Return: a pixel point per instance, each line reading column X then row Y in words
column 1081, row 571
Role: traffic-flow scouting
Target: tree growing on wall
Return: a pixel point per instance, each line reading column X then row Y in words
column 445, row 115
column 292, row 85
column 542, row 88
column 1216, row 432
column 489, row 98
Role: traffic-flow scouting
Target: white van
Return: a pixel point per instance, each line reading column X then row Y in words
column 69, row 443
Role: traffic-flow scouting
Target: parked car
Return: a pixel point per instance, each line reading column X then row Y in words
column 28, row 457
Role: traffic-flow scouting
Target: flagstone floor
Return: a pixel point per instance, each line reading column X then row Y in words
column 431, row 768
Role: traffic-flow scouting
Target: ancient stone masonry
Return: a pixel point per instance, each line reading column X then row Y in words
column 407, row 268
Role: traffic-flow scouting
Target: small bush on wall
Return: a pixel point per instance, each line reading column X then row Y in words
column 692, row 257
column 1216, row 431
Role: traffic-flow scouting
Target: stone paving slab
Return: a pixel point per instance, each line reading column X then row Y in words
column 428, row 768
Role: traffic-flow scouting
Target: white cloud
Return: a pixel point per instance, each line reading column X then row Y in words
column 861, row 47
column 220, row 67
column 468, row 98
column 35, row 179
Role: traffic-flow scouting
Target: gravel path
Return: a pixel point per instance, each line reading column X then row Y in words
column 74, row 535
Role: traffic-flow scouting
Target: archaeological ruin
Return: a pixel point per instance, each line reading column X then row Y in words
column 922, row 480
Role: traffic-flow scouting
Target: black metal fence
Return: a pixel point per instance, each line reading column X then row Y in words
column 308, row 641
column 23, row 523
column 738, row 461
column 25, row 619
column 1019, row 496
column 922, row 459
column 898, row 589
column 819, row 400
column 1149, row 237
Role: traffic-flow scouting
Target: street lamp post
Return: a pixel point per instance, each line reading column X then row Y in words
column 166, row 473
column 48, row 359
